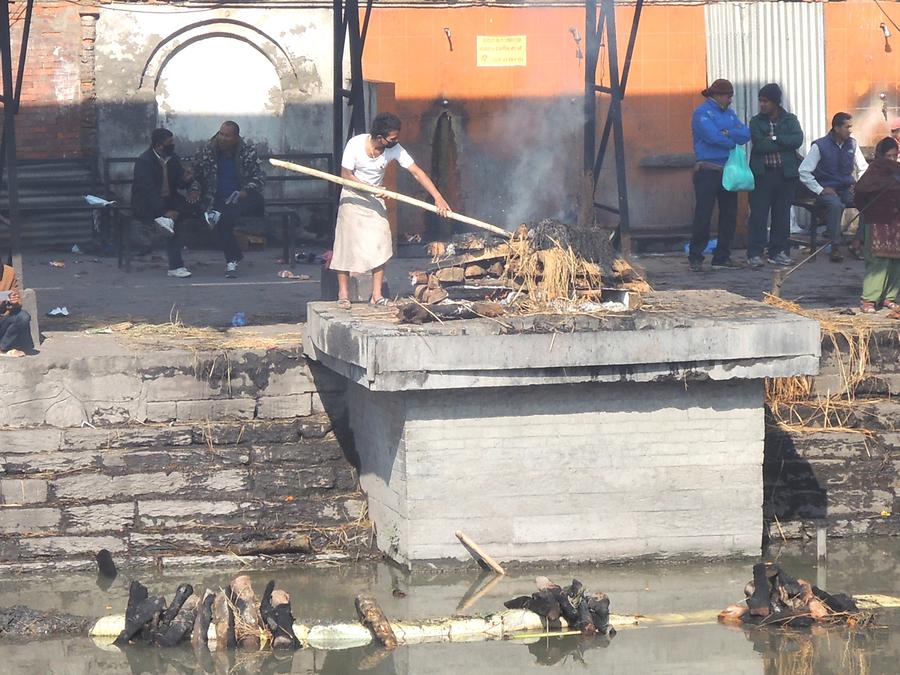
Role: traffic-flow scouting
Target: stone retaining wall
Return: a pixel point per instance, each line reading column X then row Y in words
column 179, row 489
column 170, row 452
column 845, row 481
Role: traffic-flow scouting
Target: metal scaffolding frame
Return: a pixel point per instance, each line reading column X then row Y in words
column 12, row 94
column 348, row 32
column 599, row 23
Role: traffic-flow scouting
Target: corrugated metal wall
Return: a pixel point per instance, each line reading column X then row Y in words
column 784, row 42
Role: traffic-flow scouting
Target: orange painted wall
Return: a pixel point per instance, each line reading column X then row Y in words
column 511, row 120
column 858, row 69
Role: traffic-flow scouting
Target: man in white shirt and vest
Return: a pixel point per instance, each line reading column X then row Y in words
column 828, row 172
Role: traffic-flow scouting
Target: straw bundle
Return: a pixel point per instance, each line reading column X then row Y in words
column 849, row 337
column 547, row 275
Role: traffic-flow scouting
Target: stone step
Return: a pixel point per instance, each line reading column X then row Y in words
column 847, row 482
column 882, row 371
column 194, row 497
column 37, row 440
column 102, row 380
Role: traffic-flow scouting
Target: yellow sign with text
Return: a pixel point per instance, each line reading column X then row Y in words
column 495, row 51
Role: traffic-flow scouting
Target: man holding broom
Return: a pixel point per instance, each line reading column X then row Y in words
column 362, row 239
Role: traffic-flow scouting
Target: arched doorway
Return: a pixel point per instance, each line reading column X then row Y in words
column 217, row 78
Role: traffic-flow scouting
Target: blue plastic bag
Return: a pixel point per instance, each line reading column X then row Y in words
column 737, row 176
column 710, row 247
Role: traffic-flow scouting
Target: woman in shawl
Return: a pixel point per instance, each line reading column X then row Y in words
column 877, row 196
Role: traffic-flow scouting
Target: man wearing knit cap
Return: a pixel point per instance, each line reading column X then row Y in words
column 776, row 135
column 716, row 129
column 827, row 171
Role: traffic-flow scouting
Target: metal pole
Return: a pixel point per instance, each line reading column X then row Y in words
column 615, row 112
column 9, row 135
column 591, row 51
column 23, row 50
column 629, row 52
column 337, row 83
column 357, row 99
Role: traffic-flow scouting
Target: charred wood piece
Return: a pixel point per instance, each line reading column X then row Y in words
column 374, row 619
column 246, row 613
column 200, row 634
column 413, row 313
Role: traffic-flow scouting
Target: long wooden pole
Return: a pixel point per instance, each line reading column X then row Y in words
column 363, row 187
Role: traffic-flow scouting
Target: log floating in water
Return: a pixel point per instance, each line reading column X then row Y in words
column 373, row 617
column 28, row 623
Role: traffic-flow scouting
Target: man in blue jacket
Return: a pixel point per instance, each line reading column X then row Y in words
column 716, row 130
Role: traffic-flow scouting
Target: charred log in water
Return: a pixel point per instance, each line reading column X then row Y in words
column 775, row 598
column 200, row 634
column 588, row 613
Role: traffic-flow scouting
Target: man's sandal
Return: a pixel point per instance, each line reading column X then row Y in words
column 343, row 303
column 890, row 304
column 382, row 302
column 867, row 307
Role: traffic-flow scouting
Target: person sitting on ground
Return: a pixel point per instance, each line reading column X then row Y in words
column 716, row 130
column 155, row 200
column 877, row 196
column 362, row 238
column 229, row 182
column 827, row 171
column 15, row 322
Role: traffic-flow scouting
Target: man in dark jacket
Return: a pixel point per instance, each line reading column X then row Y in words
column 228, row 182
column 155, row 200
column 716, row 130
column 776, row 135
column 828, row 171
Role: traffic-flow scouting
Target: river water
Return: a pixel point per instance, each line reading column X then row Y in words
column 326, row 594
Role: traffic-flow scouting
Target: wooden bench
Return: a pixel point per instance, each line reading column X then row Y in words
column 284, row 195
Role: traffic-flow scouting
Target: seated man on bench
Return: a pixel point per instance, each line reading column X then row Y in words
column 828, row 172
column 229, row 181
column 155, row 200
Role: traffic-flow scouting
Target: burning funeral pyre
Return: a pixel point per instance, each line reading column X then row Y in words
column 545, row 267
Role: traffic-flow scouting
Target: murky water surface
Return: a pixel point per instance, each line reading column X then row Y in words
column 327, row 594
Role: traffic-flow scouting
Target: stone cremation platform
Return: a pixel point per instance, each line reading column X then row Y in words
column 565, row 437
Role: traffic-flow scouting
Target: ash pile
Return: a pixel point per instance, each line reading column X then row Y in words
column 544, row 267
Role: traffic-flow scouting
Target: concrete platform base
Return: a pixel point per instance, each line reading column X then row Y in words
column 577, row 472
column 566, row 438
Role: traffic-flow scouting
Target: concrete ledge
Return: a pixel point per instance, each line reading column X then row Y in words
column 711, row 335
column 107, row 380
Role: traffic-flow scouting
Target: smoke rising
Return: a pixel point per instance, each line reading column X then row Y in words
column 529, row 168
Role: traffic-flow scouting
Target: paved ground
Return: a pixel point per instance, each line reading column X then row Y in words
column 97, row 293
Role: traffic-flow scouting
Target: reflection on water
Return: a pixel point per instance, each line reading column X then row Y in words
column 319, row 595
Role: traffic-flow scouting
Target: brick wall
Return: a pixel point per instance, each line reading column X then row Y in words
column 57, row 78
column 584, row 472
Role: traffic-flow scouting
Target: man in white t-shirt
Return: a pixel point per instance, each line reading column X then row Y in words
column 362, row 238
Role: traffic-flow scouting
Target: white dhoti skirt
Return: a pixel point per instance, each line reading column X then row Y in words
column 362, row 237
